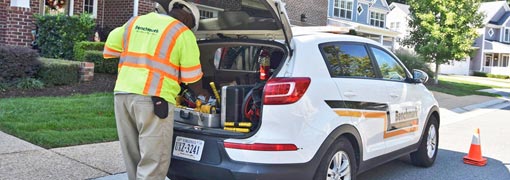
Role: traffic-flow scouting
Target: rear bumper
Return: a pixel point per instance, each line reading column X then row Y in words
column 216, row 164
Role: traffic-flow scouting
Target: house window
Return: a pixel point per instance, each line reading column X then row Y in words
column 20, row 3
column 392, row 25
column 377, row 19
column 506, row 38
column 204, row 14
column 491, row 32
column 90, row 7
column 360, row 9
column 56, row 7
column 397, row 26
column 504, row 63
column 495, row 63
column 488, row 59
column 343, row 9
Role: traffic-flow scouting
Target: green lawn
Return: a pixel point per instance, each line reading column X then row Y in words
column 60, row 121
column 460, row 88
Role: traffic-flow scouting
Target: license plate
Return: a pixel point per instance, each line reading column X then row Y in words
column 188, row 148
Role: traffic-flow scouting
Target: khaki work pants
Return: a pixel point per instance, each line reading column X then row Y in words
column 145, row 139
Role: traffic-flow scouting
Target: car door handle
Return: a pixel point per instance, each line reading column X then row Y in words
column 349, row 94
column 393, row 95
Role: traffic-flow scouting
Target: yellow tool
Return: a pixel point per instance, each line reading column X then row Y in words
column 215, row 91
column 241, row 130
column 198, row 103
column 178, row 100
column 206, row 109
column 240, row 124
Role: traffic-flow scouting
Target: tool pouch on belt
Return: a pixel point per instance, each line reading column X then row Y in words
column 160, row 107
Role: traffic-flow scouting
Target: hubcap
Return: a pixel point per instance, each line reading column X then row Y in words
column 339, row 167
column 431, row 141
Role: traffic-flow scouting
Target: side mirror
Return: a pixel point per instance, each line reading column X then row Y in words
column 420, row 76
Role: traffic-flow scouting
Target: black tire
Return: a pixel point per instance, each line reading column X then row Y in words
column 340, row 145
column 421, row 157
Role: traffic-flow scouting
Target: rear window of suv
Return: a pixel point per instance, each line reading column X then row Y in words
column 348, row 60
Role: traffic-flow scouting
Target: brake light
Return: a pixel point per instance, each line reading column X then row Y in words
column 285, row 90
column 261, row 147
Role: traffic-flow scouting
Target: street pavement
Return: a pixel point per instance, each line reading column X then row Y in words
column 22, row 160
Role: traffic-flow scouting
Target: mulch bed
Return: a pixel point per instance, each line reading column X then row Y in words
column 101, row 83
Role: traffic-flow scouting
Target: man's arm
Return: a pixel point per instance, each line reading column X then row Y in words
column 113, row 46
column 191, row 70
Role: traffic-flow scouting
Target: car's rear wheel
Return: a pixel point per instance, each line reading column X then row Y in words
column 338, row 163
column 427, row 152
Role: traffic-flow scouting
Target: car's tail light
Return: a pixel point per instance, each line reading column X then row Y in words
column 285, row 90
column 261, row 147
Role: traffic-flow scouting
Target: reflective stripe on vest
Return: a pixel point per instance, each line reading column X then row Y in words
column 159, row 64
column 127, row 32
column 110, row 53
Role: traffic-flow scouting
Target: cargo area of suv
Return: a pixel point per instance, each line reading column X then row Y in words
column 242, row 44
column 227, row 101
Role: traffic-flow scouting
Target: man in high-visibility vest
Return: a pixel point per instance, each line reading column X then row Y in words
column 157, row 52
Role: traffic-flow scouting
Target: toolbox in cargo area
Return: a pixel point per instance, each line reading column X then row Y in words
column 232, row 98
column 190, row 116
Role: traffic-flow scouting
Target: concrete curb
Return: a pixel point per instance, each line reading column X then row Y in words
column 479, row 106
column 448, row 117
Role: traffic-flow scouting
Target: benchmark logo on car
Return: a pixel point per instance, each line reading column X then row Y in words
column 402, row 123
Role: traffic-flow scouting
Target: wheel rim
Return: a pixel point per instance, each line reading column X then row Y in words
column 431, row 141
column 339, row 167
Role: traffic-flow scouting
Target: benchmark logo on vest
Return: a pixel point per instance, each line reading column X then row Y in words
column 146, row 29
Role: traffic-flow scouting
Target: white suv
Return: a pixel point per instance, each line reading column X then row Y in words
column 320, row 105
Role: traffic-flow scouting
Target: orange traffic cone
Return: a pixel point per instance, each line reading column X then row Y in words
column 475, row 152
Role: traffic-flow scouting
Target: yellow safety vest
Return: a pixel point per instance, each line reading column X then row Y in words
column 157, row 53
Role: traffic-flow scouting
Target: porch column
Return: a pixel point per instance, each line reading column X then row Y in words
column 482, row 62
column 393, row 43
column 381, row 39
column 71, row 7
column 135, row 7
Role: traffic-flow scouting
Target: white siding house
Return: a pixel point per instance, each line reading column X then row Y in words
column 398, row 20
column 367, row 17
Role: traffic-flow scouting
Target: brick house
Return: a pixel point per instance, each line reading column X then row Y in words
column 17, row 21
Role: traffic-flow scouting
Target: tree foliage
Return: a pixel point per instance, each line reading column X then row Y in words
column 443, row 30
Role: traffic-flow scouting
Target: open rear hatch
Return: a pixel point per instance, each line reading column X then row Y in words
column 246, row 19
column 242, row 43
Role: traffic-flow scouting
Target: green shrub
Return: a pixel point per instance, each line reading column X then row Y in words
column 412, row 61
column 57, row 34
column 29, row 83
column 480, row 74
column 81, row 47
column 17, row 63
column 102, row 65
column 498, row 76
column 4, row 86
column 59, row 72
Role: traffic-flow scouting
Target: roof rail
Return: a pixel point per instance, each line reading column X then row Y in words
column 322, row 29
